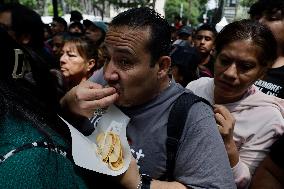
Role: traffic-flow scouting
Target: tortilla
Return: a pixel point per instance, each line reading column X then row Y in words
column 110, row 150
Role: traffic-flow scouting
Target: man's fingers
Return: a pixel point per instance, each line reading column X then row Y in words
column 106, row 101
column 89, row 93
column 91, row 106
column 87, row 97
column 96, row 94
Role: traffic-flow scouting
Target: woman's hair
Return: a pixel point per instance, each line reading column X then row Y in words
column 85, row 46
column 253, row 31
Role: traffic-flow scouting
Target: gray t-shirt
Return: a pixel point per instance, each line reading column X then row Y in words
column 201, row 160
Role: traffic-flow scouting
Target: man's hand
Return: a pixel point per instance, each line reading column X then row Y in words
column 86, row 97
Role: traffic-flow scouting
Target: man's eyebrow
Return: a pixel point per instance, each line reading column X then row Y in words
column 122, row 50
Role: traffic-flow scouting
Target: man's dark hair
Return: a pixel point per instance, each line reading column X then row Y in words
column 207, row 27
column 160, row 40
column 255, row 10
column 265, row 6
column 251, row 30
column 75, row 16
column 271, row 5
column 61, row 21
column 177, row 17
column 77, row 24
column 26, row 21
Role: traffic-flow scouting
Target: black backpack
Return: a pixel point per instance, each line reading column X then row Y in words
column 176, row 122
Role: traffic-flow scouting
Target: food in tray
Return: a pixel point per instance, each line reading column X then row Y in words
column 110, row 149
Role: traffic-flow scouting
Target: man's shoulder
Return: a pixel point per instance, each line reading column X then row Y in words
column 188, row 103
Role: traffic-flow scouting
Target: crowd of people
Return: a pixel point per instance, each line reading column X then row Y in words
column 206, row 109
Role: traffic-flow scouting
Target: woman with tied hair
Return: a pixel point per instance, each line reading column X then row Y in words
column 248, row 120
column 78, row 60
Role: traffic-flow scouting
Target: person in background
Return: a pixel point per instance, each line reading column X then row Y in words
column 248, row 120
column 136, row 71
column 76, row 28
column 47, row 36
column 184, row 64
column 101, row 57
column 47, row 32
column 255, row 11
column 204, row 43
column 96, row 31
column 75, row 16
column 58, row 25
column 58, row 41
column 270, row 172
column 178, row 22
column 272, row 15
column 184, row 37
column 79, row 56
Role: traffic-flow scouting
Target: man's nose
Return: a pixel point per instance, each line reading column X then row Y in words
column 202, row 41
column 110, row 71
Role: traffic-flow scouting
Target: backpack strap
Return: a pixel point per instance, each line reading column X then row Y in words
column 57, row 149
column 176, row 122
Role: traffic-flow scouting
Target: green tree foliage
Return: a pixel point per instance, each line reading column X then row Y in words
column 130, row 3
column 101, row 5
column 74, row 3
column 192, row 10
column 64, row 6
column 29, row 3
column 247, row 3
column 36, row 5
column 173, row 8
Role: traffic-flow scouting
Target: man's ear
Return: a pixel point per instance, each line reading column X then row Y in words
column 164, row 64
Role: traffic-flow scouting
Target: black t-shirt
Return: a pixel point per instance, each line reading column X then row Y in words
column 273, row 83
column 277, row 152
